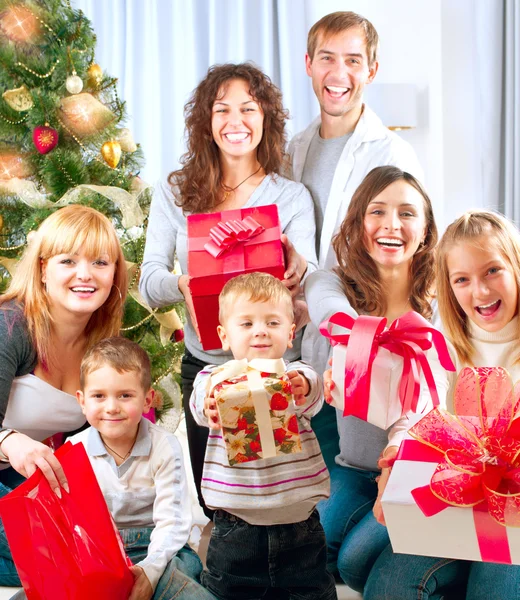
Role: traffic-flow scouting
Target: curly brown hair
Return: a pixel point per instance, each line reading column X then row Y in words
column 199, row 181
column 357, row 270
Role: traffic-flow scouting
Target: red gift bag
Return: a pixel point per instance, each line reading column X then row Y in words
column 68, row 548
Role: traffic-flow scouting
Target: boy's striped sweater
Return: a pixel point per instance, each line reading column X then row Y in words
column 283, row 489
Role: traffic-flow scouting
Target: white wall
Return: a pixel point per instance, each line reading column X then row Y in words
column 427, row 43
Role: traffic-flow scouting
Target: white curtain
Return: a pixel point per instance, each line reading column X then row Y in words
column 161, row 49
column 510, row 188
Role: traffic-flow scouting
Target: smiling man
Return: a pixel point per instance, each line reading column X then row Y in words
column 333, row 155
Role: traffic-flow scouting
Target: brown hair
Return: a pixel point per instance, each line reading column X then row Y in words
column 256, row 287
column 199, row 182
column 338, row 22
column 474, row 227
column 66, row 231
column 120, row 354
column 358, row 271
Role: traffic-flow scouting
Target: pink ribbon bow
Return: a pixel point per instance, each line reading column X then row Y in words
column 409, row 337
column 225, row 236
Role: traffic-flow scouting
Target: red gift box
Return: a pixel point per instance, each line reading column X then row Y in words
column 68, row 548
column 223, row 245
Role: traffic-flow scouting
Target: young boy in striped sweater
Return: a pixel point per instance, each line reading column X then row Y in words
column 267, row 537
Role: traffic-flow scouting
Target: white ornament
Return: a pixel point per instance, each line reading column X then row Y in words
column 74, row 84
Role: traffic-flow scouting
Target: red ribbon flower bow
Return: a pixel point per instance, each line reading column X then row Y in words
column 409, row 337
column 225, row 236
column 480, row 448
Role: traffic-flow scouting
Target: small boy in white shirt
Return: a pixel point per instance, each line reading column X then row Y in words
column 140, row 470
column 267, row 538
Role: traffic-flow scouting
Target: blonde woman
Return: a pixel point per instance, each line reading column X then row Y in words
column 66, row 294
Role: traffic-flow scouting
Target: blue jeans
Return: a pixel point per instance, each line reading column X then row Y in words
column 354, row 538
column 9, row 479
column 181, row 576
column 249, row 562
column 325, row 427
column 409, row 577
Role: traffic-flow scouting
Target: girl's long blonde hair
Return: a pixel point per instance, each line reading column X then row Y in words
column 67, row 231
column 479, row 228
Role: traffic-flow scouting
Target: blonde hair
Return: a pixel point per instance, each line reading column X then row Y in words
column 120, row 354
column 256, row 287
column 358, row 271
column 474, row 227
column 341, row 21
column 67, row 231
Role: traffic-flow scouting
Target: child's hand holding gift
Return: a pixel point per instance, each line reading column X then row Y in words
column 142, row 589
column 211, row 412
column 300, row 387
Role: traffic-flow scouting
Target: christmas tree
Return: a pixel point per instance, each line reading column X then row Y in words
column 62, row 141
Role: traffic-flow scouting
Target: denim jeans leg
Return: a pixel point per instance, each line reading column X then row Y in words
column 179, row 580
column 297, row 560
column 409, row 577
column 237, row 561
column 354, row 538
column 136, row 541
column 489, row 580
column 8, row 572
column 325, row 427
column 360, row 549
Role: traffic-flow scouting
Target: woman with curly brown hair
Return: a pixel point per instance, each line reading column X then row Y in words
column 235, row 124
column 385, row 259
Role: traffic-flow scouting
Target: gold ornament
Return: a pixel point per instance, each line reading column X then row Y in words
column 111, row 152
column 74, row 84
column 19, row 24
column 94, row 75
column 124, row 137
column 19, row 99
column 13, row 165
column 84, row 115
column 1, row 221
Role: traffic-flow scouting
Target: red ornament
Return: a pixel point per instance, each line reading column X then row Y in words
column 178, row 335
column 45, row 138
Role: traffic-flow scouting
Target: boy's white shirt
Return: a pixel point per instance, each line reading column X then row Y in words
column 159, row 500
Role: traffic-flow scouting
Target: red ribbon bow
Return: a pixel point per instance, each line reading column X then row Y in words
column 225, row 236
column 409, row 337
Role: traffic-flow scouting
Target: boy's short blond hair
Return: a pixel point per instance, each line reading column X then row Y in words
column 341, row 21
column 120, row 354
column 256, row 287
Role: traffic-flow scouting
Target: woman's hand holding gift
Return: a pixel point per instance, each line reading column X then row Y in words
column 184, row 288
column 26, row 455
column 296, row 267
column 300, row 387
column 385, row 463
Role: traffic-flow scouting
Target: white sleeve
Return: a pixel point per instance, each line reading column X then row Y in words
column 171, row 509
